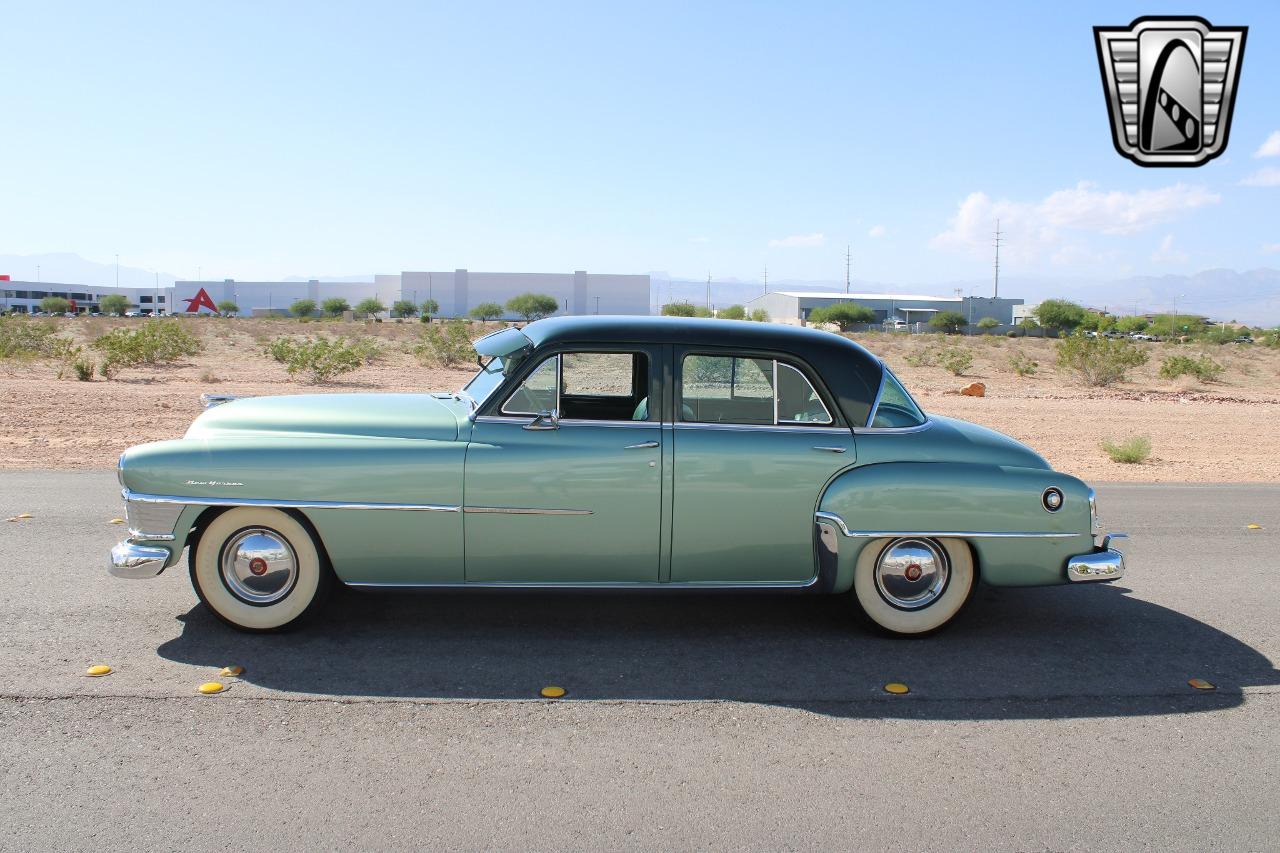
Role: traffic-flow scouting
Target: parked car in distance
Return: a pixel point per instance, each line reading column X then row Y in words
column 652, row 454
column 1243, row 339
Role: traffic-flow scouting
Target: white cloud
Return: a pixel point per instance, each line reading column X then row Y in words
column 1267, row 176
column 1270, row 148
column 1271, row 248
column 799, row 241
column 877, row 231
column 1053, row 225
column 1167, row 254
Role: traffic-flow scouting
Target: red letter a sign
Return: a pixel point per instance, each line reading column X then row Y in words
column 201, row 300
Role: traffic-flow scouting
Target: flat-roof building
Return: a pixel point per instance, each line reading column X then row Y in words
column 795, row 306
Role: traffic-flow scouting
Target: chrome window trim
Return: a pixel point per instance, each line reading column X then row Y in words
column 885, row 373
column 832, row 518
column 284, row 504
column 787, row 427
column 894, row 430
column 776, row 364
column 500, row 419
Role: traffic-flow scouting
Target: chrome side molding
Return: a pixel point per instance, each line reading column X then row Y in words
column 940, row 534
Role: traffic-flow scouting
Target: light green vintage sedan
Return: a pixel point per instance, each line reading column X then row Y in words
column 653, row 454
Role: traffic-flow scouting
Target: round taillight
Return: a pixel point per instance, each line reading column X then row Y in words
column 1052, row 499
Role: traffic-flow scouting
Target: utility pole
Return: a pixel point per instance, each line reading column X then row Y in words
column 848, row 260
column 708, row 290
column 37, row 273
column 999, row 239
column 766, row 278
column 117, row 270
column 597, row 304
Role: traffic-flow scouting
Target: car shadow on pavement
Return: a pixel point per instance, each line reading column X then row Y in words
column 1033, row 653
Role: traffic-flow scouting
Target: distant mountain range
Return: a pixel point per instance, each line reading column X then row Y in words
column 1250, row 297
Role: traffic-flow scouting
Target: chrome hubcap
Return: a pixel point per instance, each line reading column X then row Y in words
column 912, row 573
column 259, row 566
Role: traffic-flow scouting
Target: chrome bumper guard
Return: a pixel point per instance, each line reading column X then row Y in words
column 132, row 561
column 1102, row 564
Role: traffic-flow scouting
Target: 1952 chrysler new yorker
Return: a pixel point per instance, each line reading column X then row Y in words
column 619, row 453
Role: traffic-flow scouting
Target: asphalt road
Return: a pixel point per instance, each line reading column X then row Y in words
column 1043, row 719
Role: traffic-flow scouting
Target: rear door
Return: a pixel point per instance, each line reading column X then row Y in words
column 756, row 439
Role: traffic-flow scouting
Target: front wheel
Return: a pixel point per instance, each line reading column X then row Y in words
column 913, row 586
column 258, row 569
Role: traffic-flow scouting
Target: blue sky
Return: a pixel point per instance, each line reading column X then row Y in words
column 262, row 140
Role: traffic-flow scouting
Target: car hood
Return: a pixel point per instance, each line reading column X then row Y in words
column 417, row 416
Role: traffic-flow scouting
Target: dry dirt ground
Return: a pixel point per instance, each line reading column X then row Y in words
column 1225, row 431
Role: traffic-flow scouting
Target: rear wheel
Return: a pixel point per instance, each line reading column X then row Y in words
column 913, row 586
column 259, row 569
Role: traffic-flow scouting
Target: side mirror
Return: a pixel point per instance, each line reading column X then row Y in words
column 546, row 419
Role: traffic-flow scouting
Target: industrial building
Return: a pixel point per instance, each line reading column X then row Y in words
column 792, row 306
column 456, row 292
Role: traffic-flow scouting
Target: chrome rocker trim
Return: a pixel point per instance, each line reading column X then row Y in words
column 672, row 586
column 832, row 518
column 1101, row 565
column 134, row 562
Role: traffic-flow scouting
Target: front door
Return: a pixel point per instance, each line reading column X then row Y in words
column 563, row 482
column 754, row 446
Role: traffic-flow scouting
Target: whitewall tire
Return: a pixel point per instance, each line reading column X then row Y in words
column 912, row 586
column 258, row 569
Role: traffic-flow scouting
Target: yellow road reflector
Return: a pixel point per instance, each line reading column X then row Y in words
column 1252, row 526
column 211, row 687
column 98, row 670
column 553, row 692
column 1201, row 684
column 231, row 671
column 116, row 521
column 24, row 515
column 21, row 517
column 896, row 687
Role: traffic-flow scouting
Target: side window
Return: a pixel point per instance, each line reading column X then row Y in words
column 761, row 391
column 538, row 392
column 896, row 409
column 597, row 386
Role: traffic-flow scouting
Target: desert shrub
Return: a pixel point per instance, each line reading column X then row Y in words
column 986, row 324
column 303, row 308
column 733, row 312
column 955, row 360
column 67, row 353
column 367, row 349
column 486, row 311
column 678, row 309
column 320, row 359
column 25, row 338
column 83, row 368
column 759, row 315
column 1099, row 361
column 209, row 376
column 335, row 306
column 1012, row 333
column 1022, row 365
column 447, row 344
column 845, row 315
column 950, row 322
column 533, row 306
column 1132, row 451
column 1203, row 368
column 154, row 342
column 922, row 357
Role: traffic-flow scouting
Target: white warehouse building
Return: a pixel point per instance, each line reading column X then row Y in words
column 791, row 306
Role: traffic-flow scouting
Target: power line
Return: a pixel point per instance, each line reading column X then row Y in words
column 999, row 240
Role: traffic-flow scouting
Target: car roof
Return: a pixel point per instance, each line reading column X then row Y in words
column 851, row 372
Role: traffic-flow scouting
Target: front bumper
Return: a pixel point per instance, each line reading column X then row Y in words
column 1100, row 565
column 129, row 560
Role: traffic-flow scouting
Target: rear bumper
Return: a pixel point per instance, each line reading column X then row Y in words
column 1100, row 565
column 137, row 561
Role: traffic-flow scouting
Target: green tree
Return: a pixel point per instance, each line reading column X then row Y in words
column 54, row 305
column 1129, row 325
column 486, row 311
column 335, row 306
column 1028, row 325
column 846, row 315
column 1059, row 314
column 429, row 308
column 733, row 312
column 114, row 304
column 403, row 308
column 759, row 315
column 533, row 306
column 370, row 306
column 226, row 307
column 950, row 322
column 986, row 324
column 303, row 308
column 678, row 309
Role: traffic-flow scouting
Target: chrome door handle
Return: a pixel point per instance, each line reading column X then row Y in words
column 641, row 446
column 829, row 449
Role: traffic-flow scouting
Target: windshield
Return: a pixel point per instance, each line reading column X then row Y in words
column 484, row 382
